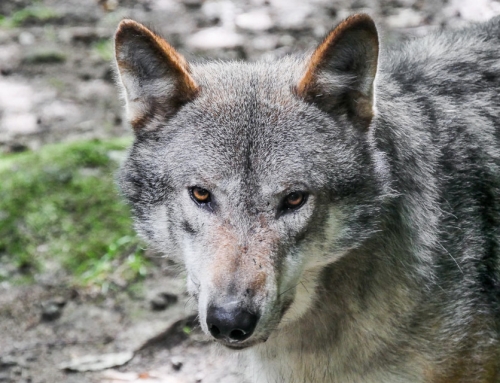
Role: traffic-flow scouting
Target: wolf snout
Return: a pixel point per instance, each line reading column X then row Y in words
column 231, row 325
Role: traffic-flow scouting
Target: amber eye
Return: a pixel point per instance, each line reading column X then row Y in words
column 294, row 200
column 200, row 195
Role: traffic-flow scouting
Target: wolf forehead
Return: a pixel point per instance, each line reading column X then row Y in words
column 238, row 80
column 235, row 99
column 246, row 119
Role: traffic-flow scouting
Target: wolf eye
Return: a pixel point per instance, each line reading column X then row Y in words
column 200, row 195
column 294, row 200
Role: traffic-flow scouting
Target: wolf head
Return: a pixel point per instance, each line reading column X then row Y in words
column 254, row 176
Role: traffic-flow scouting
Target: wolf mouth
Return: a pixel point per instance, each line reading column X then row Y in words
column 240, row 347
column 236, row 347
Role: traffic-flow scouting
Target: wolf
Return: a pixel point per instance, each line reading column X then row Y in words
column 337, row 213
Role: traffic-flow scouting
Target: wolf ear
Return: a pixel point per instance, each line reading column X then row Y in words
column 155, row 77
column 340, row 73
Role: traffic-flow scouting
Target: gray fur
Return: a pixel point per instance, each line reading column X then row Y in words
column 398, row 241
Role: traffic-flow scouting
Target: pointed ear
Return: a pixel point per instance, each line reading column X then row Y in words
column 340, row 74
column 155, row 77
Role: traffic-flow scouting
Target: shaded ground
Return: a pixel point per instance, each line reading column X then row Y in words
column 166, row 343
column 56, row 84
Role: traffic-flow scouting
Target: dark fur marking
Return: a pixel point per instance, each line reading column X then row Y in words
column 188, row 228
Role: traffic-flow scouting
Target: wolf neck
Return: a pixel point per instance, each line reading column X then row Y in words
column 351, row 326
column 362, row 302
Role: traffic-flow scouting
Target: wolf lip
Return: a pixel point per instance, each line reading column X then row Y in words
column 242, row 346
column 236, row 348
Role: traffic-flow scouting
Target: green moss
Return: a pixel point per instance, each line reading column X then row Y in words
column 104, row 49
column 56, row 83
column 45, row 56
column 62, row 203
column 33, row 14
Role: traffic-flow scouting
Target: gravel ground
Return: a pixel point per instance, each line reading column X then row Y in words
column 57, row 84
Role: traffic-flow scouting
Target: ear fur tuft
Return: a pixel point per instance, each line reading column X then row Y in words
column 154, row 75
column 340, row 74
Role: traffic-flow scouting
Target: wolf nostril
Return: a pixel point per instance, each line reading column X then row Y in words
column 232, row 325
column 238, row 335
column 214, row 330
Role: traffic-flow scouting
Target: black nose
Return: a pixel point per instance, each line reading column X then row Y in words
column 232, row 325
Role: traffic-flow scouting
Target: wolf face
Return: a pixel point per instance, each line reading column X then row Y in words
column 252, row 176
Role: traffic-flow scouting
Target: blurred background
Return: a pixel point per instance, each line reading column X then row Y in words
column 81, row 298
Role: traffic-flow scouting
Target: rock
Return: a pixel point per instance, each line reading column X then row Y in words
column 19, row 123
column 26, row 38
column 258, row 20
column 286, row 40
column 52, row 309
column 220, row 11
column 176, row 363
column 291, row 14
column 166, row 6
column 215, row 38
column 478, row 10
column 405, row 18
column 59, row 112
column 10, row 57
column 85, row 126
column 265, row 43
column 5, row 37
column 162, row 300
column 95, row 89
column 15, row 97
column 320, row 31
column 97, row 362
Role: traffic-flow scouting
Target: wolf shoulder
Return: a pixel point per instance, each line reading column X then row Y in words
column 456, row 64
column 446, row 84
column 477, row 45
